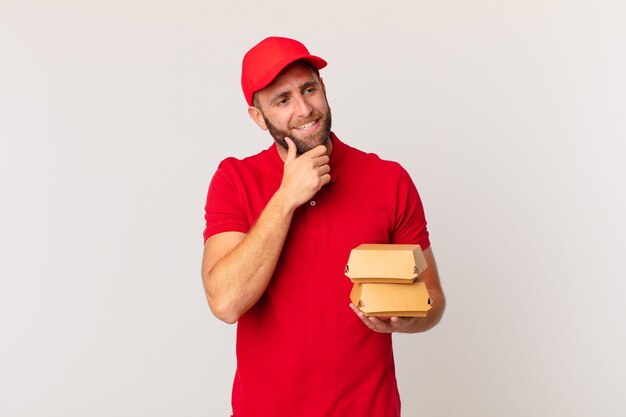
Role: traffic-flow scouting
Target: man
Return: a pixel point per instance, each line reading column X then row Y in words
column 279, row 229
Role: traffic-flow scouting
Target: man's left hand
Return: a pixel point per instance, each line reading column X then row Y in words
column 391, row 324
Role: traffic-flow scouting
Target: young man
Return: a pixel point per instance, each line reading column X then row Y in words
column 279, row 229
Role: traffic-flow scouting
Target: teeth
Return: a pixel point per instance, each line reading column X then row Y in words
column 306, row 126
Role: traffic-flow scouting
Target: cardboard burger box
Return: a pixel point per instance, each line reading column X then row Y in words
column 385, row 280
column 387, row 300
column 385, row 263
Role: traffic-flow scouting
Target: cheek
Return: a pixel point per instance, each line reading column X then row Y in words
column 283, row 123
column 322, row 106
column 279, row 120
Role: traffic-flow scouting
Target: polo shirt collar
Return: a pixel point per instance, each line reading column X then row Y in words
column 336, row 157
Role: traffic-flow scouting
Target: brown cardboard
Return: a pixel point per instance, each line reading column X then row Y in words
column 386, row 300
column 385, row 263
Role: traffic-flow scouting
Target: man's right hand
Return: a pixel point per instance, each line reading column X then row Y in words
column 304, row 175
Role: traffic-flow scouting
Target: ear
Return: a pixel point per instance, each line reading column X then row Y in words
column 257, row 117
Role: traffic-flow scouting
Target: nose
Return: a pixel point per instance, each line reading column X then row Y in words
column 303, row 107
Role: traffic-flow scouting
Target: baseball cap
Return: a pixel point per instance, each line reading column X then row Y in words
column 268, row 58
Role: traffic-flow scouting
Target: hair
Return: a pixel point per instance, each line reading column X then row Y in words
column 255, row 99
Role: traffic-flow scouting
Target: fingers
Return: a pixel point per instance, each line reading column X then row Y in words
column 291, row 150
column 323, row 169
column 374, row 323
column 319, row 150
column 304, row 175
column 316, row 159
column 381, row 324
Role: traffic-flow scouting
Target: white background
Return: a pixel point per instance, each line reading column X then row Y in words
column 509, row 115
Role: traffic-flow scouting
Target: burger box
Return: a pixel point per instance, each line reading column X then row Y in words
column 385, row 280
column 387, row 300
column 385, row 263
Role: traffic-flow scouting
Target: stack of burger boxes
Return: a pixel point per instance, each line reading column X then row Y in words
column 386, row 283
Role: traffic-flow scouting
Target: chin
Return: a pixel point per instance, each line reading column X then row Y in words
column 305, row 145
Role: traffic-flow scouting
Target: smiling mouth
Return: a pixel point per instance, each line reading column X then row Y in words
column 307, row 126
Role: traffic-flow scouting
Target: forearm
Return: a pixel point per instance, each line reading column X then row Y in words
column 237, row 281
column 431, row 278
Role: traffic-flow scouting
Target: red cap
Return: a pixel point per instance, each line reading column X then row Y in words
column 268, row 58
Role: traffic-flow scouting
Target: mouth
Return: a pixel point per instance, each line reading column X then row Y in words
column 307, row 126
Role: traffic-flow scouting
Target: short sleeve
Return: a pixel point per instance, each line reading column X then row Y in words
column 410, row 221
column 223, row 211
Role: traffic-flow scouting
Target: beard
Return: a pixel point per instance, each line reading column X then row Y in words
column 305, row 142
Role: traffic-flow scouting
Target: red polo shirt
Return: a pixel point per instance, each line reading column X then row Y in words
column 301, row 351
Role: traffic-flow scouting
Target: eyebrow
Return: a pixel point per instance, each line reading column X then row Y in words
column 302, row 86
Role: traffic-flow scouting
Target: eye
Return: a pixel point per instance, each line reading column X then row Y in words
column 282, row 101
column 309, row 90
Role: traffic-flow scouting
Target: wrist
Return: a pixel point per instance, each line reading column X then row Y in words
column 282, row 204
